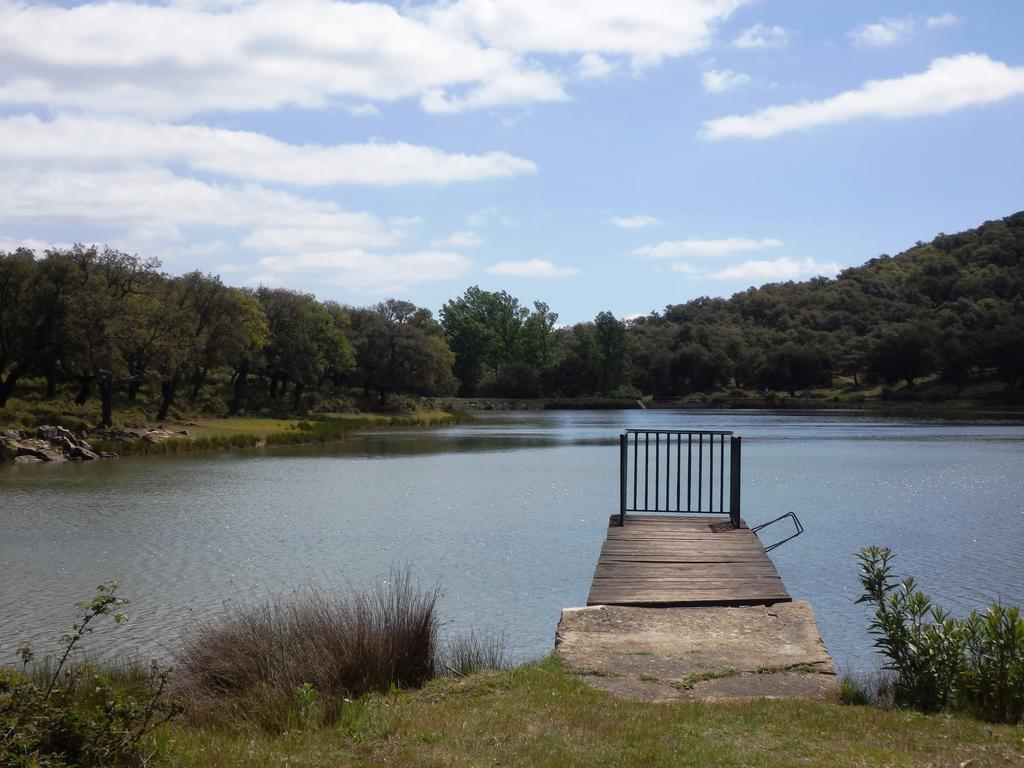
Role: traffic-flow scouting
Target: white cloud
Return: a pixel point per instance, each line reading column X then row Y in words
column 948, row 84
column 11, row 244
column 673, row 249
column 890, row 31
column 182, row 58
column 179, row 59
column 531, row 268
column 645, row 30
column 154, row 212
column 778, row 269
column 364, row 110
column 485, row 216
column 369, row 272
column 634, row 222
column 152, row 207
column 883, row 33
column 763, row 36
column 943, row 20
column 346, row 230
column 686, row 269
column 76, row 141
column 358, row 268
column 464, row 238
column 592, row 66
column 262, row 281
column 721, row 80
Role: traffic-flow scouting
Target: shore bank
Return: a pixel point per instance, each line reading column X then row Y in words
column 56, row 443
column 542, row 714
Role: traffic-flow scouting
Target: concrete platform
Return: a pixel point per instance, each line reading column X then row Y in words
column 702, row 653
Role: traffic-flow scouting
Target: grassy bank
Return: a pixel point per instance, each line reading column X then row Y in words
column 541, row 715
column 322, row 677
column 242, row 432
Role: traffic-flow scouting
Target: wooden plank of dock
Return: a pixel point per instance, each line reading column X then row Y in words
column 655, row 560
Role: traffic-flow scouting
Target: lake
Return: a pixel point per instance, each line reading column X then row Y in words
column 506, row 515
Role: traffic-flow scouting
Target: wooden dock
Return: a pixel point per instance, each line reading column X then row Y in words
column 683, row 560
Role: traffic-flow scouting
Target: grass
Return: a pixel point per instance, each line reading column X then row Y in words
column 272, row 664
column 244, row 432
column 691, row 680
column 542, row 715
column 473, row 652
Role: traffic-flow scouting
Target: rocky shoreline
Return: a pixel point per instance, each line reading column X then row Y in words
column 56, row 443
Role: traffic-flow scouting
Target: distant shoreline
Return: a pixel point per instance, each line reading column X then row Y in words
column 213, row 434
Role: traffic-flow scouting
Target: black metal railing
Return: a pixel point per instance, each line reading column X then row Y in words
column 674, row 471
column 797, row 530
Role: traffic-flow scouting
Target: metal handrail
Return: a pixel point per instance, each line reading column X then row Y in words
column 796, row 523
column 678, row 431
column 646, row 480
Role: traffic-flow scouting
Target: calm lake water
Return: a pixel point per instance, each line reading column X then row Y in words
column 506, row 515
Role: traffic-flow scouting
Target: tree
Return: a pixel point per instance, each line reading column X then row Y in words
column 535, row 337
column 792, row 367
column 613, row 347
column 245, row 333
column 399, row 348
column 305, row 343
column 903, row 351
column 483, row 330
column 105, row 298
column 18, row 324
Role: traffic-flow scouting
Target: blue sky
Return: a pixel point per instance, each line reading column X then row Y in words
column 593, row 154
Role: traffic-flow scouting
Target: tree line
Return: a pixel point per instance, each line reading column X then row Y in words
column 87, row 322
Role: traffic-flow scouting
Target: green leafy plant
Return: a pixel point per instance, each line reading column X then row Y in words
column 852, row 693
column 923, row 644
column 994, row 677
column 78, row 714
column 310, row 712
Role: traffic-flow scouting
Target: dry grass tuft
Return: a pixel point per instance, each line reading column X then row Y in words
column 263, row 663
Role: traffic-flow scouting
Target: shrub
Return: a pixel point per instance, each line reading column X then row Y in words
column 80, row 714
column 330, row 646
column 924, row 645
column 993, row 683
column 976, row 663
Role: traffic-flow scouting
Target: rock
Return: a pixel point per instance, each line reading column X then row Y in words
column 82, row 454
column 43, row 454
column 119, row 434
column 63, row 444
column 26, row 459
column 157, row 435
column 12, row 434
column 57, row 434
column 32, row 442
column 183, row 432
column 107, row 455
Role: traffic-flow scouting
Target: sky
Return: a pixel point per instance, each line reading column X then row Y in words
column 593, row 154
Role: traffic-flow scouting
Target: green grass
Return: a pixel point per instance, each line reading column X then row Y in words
column 691, row 680
column 243, row 432
column 541, row 715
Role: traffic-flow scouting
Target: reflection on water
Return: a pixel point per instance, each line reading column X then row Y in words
column 507, row 515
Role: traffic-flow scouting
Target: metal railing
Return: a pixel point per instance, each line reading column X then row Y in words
column 675, row 471
column 797, row 530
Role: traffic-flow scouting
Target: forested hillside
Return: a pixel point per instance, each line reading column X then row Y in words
column 89, row 325
column 954, row 306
